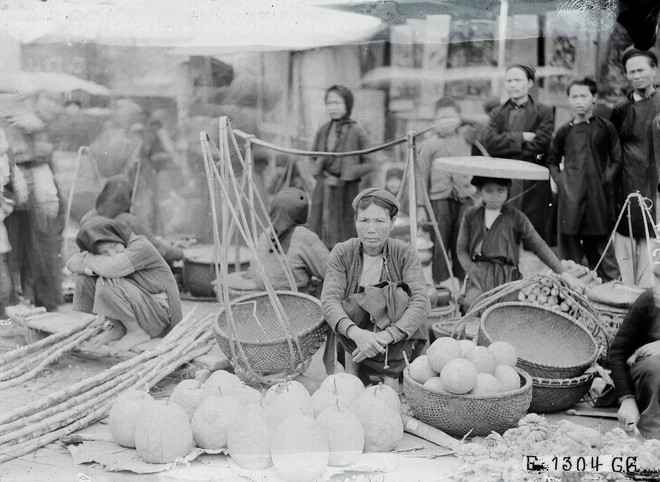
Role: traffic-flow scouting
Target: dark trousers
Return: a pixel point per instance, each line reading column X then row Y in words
column 646, row 377
column 577, row 247
column 449, row 214
column 35, row 261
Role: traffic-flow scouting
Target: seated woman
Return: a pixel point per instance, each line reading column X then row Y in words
column 123, row 278
column 374, row 296
column 305, row 252
column 635, row 362
column 114, row 202
column 489, row 240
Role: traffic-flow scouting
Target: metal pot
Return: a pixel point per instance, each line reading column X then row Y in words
column 199, row 271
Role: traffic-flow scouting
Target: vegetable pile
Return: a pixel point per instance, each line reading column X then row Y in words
column 499, row 457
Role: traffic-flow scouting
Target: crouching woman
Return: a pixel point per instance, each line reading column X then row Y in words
column 122, row 277
column 374, row 297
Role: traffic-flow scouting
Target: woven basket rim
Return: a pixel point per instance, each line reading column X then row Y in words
column 564, row 382
column 498, row 396
column 586, row 361
column 261, row 294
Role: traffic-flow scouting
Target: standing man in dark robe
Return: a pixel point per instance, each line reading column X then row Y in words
column 588, row 148
column 632, row 119
column 522, row 129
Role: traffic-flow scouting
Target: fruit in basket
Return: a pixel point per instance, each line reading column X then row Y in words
column 483, row 359
column 223, row 380
column 188, row 394
column 466, row 346
column 441, row 352
column 124, row 415
column 385, row 393
column 163, row 433
column 504, row 353
column 382, row 424
column 459, row 376
column 288, row 398
column 485, row 385
column 300, row 449
column 435, row 385
column 508, row 378
column 420, row 370
column 249, row 437
column 211, row 419
column 336, row 391
column 345, row 435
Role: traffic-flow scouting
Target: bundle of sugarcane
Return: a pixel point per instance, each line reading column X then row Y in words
column 65, row 411
column 27, row 361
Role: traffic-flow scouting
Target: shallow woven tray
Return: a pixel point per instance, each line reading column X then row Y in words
column 459, row 414
column 550, row 395
column 268, row 351
column 549, row 344
column 446, row 328
column 614, row 293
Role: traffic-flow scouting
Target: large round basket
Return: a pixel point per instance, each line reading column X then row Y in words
column 610, row 317
column 459, row 414
column 549, row 344
column 551, row 395
column 260, row 340
column 447, row 326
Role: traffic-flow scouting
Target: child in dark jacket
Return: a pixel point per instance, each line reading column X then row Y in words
column 589, row 148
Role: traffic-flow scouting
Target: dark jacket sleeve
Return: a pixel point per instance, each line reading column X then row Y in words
column 656, row 142
column 500, row 143
column 334, row 286
column 463, row 244
column 367, row 162
column 532, row 241
column 616, row 154
column 627, row 340
column 541, row 143
column 556, row 154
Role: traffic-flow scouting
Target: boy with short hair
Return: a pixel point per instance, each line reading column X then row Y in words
column 450, row 194
column 589, row 148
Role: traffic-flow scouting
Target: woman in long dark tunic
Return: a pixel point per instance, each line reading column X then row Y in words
column 122, row 277
column 362, row 273
column 337, row 178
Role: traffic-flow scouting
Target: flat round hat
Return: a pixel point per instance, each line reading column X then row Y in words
column 493, row 167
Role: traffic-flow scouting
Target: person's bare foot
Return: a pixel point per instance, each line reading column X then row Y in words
column 115, row 331
column 130, row 340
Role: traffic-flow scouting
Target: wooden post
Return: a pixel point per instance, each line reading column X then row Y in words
column 503, row 21
column 412, row 194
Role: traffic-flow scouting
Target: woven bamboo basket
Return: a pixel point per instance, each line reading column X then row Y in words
column 447, row 326
column 549, row 343
column 459, row 414
column 610, row 317
column 581, row 309
column 268, row 351
column 552, row 395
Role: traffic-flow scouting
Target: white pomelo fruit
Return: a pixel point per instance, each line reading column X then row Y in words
column 483, row 359
column 124, row 415
column 486, row 384
column 300, row 449
column 508, row 378
column 441, row 352
column 382, row 424
column 345, row 435
column 420, row 370
column 459, row 376
column 249, row 437
column 211, row 420
column 504, row 353
column 188, row 394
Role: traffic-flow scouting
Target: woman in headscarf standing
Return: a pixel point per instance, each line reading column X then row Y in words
column 122, row 277
column 337, row 178
column 304, row 251
column 522, row 129
column 374, row 296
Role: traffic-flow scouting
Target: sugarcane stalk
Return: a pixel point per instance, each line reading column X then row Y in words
column 19, row 352
column 62, row 418
column 48, row 355
column 13, row 451
column 53, row 409
column 52, row 357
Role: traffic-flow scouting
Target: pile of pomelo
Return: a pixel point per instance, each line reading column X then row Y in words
column 297, row 433
column 454, row 367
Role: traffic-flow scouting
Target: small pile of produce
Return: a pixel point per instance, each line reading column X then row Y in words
column 463, row 368
column 550, row 293
column 498, row 457
column 298, row 434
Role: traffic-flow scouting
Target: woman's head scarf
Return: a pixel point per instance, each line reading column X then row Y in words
column 346, row 94
column 381, row 194
column 101, row 230
column 289, row 209
column 115, row 198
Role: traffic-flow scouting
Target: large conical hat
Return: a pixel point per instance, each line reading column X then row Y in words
column 493, row 167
